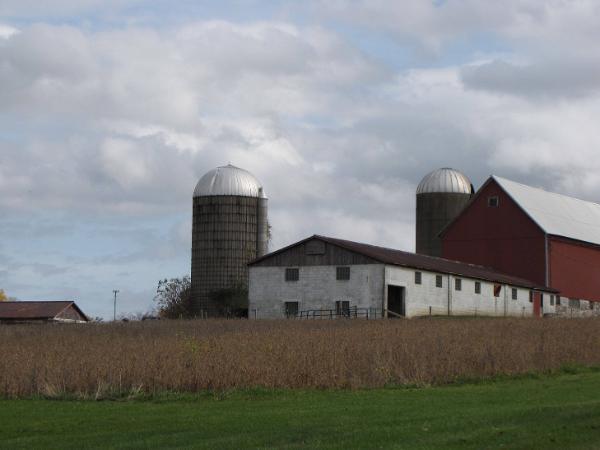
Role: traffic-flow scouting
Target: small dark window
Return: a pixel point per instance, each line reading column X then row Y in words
column 457, row 284
column 493, row 201
column 292, row 274
column 574, row 303
column 342, row 308
column 478, row 287
column 514, row 294
column 497, row 290
column 552, row 300
column 530, row 296
column 439, row 281
column 417, row 277
column 558, row 300
column 291, row 309
column 342, row 273
column 314, row 247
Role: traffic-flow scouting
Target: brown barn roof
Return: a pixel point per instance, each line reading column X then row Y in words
column 35, row 310
column 416, row 261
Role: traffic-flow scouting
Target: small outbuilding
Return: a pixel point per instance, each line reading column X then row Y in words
column 327, row 277
column 38, row 312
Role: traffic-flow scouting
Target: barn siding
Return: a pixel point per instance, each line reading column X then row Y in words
column 297, row 256
column 574, row 268
column 427, row 298
column 317, row 288
column 504, row 238
column 70, row 313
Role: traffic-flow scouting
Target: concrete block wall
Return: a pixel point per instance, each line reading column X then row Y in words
column 426, row 298
column 574, row 308
column 317, row 288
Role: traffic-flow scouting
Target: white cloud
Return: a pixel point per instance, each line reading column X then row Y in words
column 7, row 31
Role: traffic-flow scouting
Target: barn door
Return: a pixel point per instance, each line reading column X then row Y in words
column 537, row 304
column 396, row 305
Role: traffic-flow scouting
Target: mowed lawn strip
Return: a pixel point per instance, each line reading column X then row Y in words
column 547, row 412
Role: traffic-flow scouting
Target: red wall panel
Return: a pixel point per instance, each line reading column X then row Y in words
column 502, row 237
column 574, row 268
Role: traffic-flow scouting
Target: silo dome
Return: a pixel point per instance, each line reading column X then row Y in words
column 229, row 180
column 441, row 196
column 445, row 180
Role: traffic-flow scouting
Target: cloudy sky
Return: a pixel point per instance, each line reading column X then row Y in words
column 110, row 111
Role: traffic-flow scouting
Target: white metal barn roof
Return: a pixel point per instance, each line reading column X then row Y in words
column 445, row 180
column 556, row 214
column 229, row 180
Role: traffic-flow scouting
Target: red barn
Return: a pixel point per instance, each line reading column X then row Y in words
column 548, row 238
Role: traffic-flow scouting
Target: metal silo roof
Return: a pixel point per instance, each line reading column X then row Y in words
column 445, row 180
column 229, row 180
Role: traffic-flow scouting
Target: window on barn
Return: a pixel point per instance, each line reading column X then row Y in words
column 497, row 290
column 574, row 303
column 342, row 273
column 457, row 284
column 292, row 274
column 515, row 294
column 552, row 300
column 558, row 300
column 493, row 201
column 478, row 287
column 314, row 247
column 291, row 309
column 342, row 308
column 417, row 277
column 530, row 296
column 439, row 282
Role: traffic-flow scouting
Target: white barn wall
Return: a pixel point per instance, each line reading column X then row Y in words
column 426, row 298
column 317, row 288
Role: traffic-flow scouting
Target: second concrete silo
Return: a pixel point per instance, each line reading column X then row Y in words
column 441, row 196
column 229, row 229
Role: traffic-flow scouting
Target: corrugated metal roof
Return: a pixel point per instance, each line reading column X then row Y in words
column 423, row 262
column 445, row 180
column 556, row 214
column 229, row 180
column 34, row 310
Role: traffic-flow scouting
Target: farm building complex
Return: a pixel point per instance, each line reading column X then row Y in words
column 506, row 249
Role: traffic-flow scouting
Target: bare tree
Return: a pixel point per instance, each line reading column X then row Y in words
column 173, row 298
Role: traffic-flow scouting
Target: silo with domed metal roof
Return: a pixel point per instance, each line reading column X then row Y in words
column 229, row 229
column 441, row 196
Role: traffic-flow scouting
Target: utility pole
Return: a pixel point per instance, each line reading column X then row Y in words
column 115, row 307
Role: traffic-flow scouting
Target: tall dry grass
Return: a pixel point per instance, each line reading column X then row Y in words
column 101, row 359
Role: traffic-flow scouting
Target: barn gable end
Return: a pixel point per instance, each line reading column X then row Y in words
column 495, row 231
column 313, row 252
column 71, row 313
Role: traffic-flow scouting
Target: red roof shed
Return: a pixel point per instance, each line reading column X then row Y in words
column 60, row 311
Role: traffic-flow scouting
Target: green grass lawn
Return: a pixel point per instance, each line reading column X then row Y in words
column 547, row 412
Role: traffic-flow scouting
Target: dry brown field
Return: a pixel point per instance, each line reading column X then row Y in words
column 101, row 360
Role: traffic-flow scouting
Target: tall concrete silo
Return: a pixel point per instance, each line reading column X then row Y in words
column 229, row 229
column 441, row 196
